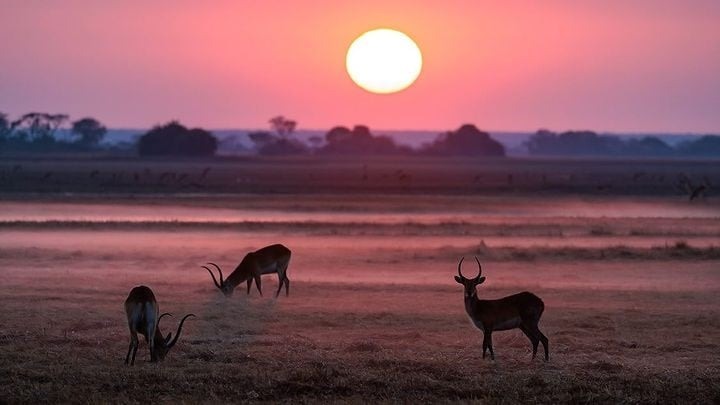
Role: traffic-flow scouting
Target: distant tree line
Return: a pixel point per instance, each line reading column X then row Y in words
column 705, row 146
column 359, row 141
column 173, row 139
column 36, row 131
column 588, row 143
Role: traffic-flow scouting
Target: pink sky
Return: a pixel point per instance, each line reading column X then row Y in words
column 633, row 66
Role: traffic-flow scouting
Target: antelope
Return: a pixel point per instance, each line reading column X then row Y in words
column 268, row 260
column 142, row 314
column 521, row 311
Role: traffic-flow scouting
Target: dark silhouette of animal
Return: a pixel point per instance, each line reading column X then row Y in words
column 143, row 317
column 521, row 311
column 268, row 260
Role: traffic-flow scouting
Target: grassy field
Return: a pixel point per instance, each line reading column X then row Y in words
column 397, row 175
column 630, row 282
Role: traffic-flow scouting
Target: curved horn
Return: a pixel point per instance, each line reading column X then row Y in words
column 459, row 265
column 161, row 316
column 222, row 281
column 157, row 324
column 479, row 268
column 179, row 329
column 213, row 276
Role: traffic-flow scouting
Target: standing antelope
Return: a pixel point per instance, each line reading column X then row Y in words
column 268, row 260
column 521, row 310
column 142, row 313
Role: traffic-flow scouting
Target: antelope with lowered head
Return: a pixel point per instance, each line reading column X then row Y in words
column 268, row 260
column 521, row 311
column 143, row 317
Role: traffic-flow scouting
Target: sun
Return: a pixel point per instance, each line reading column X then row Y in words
column 383, row 61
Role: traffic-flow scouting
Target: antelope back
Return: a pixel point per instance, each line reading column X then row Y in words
column 141, row 309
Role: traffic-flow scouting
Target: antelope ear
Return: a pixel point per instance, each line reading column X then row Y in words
column 481, row 280
column 167, row 339
column 458, row 279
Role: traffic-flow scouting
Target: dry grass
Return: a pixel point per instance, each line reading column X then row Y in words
column 632, row 300
column 627, row 331
column 359, row 342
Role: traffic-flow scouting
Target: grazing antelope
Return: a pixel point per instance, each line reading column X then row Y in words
column 268, row 260
column 521, row 311
column 142, row 313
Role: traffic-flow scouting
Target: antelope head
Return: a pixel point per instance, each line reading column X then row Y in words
column 470, row 283
column 164, row 344
column 223, row 286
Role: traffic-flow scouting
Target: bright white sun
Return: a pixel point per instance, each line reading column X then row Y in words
column 383, row 61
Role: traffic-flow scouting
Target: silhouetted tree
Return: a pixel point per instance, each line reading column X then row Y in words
column 173, row 139
column 278, row 143
column 282, row 126
column 648, row 146
column 465, row 141
column 545, row 142
column 541, row 142
column 588, row 143
column 89, row 130
column 359, row 141
column 38, row 127
column 200, row 142
column 338, row 134
column 4, row 127
column 707, row 146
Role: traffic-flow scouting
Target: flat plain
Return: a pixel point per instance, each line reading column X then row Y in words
column 628, row 268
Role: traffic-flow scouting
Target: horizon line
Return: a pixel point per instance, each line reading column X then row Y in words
column 439, row 131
